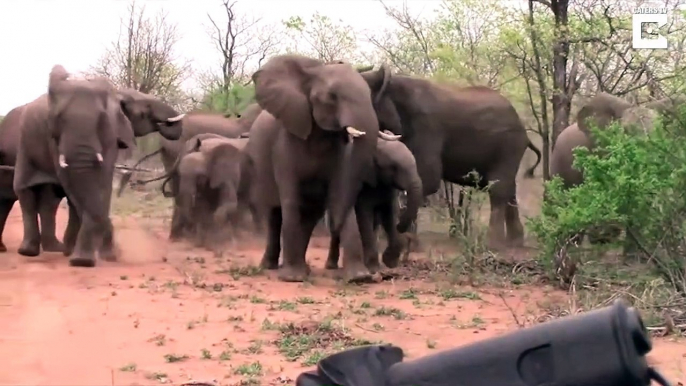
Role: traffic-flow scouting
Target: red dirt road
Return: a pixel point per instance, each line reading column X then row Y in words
column 170, row 313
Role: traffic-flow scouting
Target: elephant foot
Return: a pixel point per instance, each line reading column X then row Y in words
column 52, row 245
column 373, row 265
column 29, row 248
column 3, row 248
column 294, row 274
column 391, row 257
column 358, row 273
column 82, row 260
column 269, row 263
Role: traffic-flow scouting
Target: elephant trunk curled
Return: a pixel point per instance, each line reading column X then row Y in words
column 414, row 201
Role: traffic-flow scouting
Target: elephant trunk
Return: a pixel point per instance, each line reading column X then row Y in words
column 357, row 168
column 415, row 198
column 186, row 199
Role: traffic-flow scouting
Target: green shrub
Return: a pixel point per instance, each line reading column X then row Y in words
column 637, row 182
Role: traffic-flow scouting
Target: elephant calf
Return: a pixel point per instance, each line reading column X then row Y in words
column 211, row 192
column 396, row 170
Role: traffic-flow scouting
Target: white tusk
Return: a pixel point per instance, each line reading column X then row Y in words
column 99, row 157
column 354, row 132
column 62, row 161
column 388, row 136
column 176, row 118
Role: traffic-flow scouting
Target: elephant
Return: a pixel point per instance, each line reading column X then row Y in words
column 602, row 110
column 396, row 170
column 301, row 161
column 212, row 190
column 70, row 138
column 194, row 124
column 145, row 113
column 453, row 131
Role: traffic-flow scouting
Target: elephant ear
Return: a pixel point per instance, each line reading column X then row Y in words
column 224, row 161
column 639, row 120
column 600, row 111
column 378, row 81
column 281, row 88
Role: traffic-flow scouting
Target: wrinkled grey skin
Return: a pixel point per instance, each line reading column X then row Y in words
column 396, row 170
column 199, row 123
column 209, row 190
column 297, row 146
column 452, row 131
column 145, row 114
column 602, row 110
column 71, row 138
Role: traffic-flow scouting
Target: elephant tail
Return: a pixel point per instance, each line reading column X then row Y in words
column 165, row 192
column 530, row 172
column 126, row 177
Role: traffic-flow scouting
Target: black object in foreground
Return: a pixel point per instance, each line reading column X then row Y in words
column 603, row 347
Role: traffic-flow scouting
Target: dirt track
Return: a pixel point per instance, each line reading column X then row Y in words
column 169, row 313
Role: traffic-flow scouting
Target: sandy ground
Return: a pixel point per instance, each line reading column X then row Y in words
column 171, row 313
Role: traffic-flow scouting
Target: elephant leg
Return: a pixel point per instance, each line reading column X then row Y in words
column 48, row 203
column 364, row 212
column 72, row 231
column 30, row 245
column 107, row 250
column 6, row 205
column 256, row 219
column 391, row 254
column 334, row 245
column 177, row 226
column 84, row 251
column 354, row 268
column 334, row 252
column 496, row 221
column 270, row 259
column 515, row 230
column 297, row 228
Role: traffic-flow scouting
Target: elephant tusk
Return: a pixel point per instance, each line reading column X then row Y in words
column 388, row 136
column 176, row 118
column 354, row 132
column 62, row 161
column 99, row 157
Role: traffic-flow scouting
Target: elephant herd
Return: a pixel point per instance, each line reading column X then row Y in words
column 321, row 137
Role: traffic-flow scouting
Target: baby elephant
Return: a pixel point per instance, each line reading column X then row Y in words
column 210, row 194
column 396, row 170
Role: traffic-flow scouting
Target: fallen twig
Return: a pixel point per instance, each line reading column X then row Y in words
column 128, row 168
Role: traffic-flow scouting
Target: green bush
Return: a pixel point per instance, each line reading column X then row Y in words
column 636, row 182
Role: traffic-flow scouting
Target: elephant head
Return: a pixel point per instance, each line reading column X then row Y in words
column 88, row 128
column 314, row 99
column 149, row 114
column 603, row 109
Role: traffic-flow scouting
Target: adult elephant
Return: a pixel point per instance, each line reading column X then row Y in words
column 396, row 170
column 70, row 138
column 145, row 113
column 453, row 131
column 297, row 144
column 194, row 124
column 601, row 111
